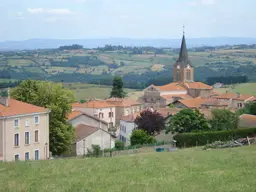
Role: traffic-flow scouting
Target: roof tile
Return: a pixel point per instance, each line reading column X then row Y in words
column 16, row 107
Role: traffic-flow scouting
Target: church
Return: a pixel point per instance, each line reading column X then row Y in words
column 182, row 87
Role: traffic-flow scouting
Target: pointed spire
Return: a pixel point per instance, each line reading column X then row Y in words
column 183, row 57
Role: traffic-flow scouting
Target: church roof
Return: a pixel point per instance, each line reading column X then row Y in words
column 171, row 87
column 183, row 86
column 197, row 85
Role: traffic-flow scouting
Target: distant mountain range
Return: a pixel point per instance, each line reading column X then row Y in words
column 93, row 43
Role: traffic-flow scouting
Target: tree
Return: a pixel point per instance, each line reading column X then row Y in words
column 187, row 120
column 117, row 90
column 152, row 122
column 140, row 137
column 59, row 101
column 250, row 108
column 223, row 119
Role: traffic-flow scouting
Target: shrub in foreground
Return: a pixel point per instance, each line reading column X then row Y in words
column 203, row 138
column 140, row 137
column 119, row 145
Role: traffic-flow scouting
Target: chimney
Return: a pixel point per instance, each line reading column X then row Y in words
column 238, row 95
column 4, row 97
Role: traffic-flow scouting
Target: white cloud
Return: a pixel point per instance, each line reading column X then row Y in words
column 50, row 11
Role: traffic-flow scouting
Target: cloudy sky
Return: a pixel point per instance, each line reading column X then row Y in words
column 73, row 19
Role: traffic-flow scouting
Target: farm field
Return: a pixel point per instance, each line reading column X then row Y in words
column 90, row 91
column 186, row 170
column 70, row 66
column 243, row 88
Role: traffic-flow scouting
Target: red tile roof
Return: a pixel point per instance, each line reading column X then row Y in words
column 171, row 87
column 247, row 121
column 74, row 114
column 82, row 131
column 122, row 102
column 192, row 103
column 197, row 85
column 16, row 107
column 214, row 102
column 234, row 96
column 182, row 96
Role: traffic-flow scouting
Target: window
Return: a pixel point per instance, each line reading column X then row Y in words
column 16, row 123
column 36, row 120
column 27, row 156
column 101, row 115
column 17, row 157
column 188, row 75
column 27, row 123
column 110, row 114
column 27, row 138
column 36, row 154
column 16, row 140
column 36, row 136
column 239, row 105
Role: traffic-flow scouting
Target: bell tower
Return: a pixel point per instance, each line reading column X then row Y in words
column 183, row 70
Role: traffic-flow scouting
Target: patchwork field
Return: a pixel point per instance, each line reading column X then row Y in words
column 186, row 170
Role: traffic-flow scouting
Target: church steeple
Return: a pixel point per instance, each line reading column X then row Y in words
column 183, row 57
column 183, row 71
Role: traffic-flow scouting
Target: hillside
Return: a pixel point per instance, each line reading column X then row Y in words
column 93, row 43
column 188, row 170
column 139, row 67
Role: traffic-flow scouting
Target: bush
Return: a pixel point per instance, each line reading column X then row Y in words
column 140, row 137
column 95, row 152
column 203, row 138
column 119, row 145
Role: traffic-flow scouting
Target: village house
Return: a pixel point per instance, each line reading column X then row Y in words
column 110, row 110
column 78, row 117
column 127, row 125
column 87, row 136
column 198, row 103
column 235, row 100
column 183, row 84
column 24, row 131
column 89, row 130
column 98, row 108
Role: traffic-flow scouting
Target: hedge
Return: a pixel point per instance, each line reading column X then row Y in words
column 202, row 138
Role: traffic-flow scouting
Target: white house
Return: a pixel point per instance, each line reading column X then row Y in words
column 86, row 136
column 99, row 109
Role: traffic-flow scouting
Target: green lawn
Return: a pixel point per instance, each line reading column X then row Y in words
column 188, row 170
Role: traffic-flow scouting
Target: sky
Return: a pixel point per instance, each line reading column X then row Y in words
column 76, row 19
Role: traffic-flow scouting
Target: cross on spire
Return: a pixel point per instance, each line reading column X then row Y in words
column 183, row 29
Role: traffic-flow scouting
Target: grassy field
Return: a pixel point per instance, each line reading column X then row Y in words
column 187, row 170
column 90, row 91
column 244, row 88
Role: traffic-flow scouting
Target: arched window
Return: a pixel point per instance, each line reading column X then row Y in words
column 188, row 75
